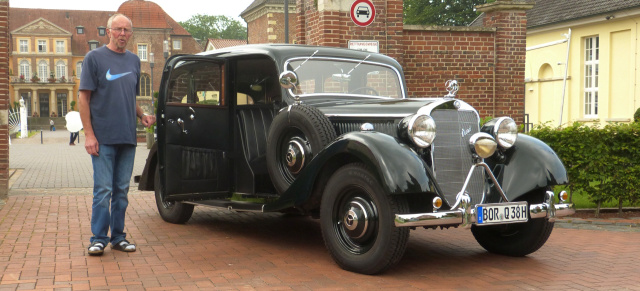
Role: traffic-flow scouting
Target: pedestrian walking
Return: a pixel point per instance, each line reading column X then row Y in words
column 51, row 125
column 109, row 84
column 72, row 138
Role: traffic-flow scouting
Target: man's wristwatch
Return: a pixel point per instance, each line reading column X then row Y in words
column 143, row 115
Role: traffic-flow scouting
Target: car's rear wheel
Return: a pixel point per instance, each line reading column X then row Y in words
column 296, row 135
column 357, row 220
column 170, row 211
column 518, row 239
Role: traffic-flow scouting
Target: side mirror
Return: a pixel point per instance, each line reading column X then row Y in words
column 288, row 79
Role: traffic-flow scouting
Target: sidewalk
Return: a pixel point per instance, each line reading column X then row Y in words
column 46, row 160
column 45, row 231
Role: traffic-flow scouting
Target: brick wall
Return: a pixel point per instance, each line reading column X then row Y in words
column 4, row 98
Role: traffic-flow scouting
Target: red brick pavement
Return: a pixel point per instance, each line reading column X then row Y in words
column 43, row 241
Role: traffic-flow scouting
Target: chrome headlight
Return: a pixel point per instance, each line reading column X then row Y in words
column 503, row 129
column 482, row 144
column 422, row 130
column 506, row 132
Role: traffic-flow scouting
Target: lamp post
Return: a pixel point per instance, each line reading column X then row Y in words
column 151, row 64
column 165, row 49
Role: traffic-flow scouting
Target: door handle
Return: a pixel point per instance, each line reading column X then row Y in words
column 181, row 124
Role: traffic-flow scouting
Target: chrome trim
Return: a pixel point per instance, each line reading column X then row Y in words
column 466, row 183
column 370, row 115
column 465, row 215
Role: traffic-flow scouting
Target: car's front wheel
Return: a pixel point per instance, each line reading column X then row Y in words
column 518, row 239
column 357, row 220
column 170, row 211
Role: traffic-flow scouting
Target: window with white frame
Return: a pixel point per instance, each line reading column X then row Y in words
column 78, row 69
column 24, row 46
column 591, row 67
column 43, row 70
column 142, row 52
column 42, row 46
column 61, row 69
column 25, row 69
column 60, row 46
column 177, row 44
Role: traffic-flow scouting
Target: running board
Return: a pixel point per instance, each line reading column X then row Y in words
column 231, row 205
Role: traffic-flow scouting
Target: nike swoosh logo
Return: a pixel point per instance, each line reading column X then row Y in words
column 116, row 76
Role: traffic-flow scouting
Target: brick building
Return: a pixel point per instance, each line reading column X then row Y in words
column 50, row 44
column 265, row 21
column 487, row 61
column 4, row 99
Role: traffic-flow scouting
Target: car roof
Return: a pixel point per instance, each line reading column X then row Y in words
column 282, row 52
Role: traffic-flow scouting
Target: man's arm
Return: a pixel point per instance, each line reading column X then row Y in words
column 90, row 141
column 147, row 119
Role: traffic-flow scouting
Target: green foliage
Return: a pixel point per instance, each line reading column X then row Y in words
column 203, row 27
column 441, row 12
column 73, row 104
column 636, row 116
column 602, row 163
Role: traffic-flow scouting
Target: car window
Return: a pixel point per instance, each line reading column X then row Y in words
column 256, row 81
column 345, row 77
column 196, row 82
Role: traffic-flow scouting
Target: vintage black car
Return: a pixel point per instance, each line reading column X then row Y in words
column 331, row 133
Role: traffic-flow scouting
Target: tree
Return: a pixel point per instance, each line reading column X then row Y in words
column 441, row 12
column 203, row 27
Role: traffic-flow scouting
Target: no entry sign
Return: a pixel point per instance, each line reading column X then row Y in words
column 362, row 12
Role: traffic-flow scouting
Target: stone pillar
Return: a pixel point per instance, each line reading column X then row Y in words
column 509, row 19
column 53, row 106
column 5, row 97
column 34, row 101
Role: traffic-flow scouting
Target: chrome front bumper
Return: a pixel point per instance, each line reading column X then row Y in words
column 465, row 214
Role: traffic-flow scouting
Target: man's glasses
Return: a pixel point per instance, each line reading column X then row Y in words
column 122, row 30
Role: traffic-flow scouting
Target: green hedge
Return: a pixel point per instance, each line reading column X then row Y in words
column 603, row 163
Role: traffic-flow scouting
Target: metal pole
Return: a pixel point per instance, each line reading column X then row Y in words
column 40, row 136
column 286, row 21
column 564, row 83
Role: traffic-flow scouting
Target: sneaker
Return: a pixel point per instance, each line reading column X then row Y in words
column 96, row 249
column 124, row 246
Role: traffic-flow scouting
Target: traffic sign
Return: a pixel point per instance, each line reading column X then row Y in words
column 362, row 12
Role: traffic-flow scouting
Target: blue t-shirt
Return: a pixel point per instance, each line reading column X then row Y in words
column 113, row 79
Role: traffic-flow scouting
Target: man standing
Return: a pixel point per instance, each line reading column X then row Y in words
column 107, row 103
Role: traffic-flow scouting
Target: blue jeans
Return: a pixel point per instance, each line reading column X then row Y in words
column 111, row 175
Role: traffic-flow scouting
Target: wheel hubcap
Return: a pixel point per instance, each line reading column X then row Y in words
column 356, row 223
column 295, row 155
column 356, row 220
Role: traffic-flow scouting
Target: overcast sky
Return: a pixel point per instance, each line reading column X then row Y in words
column 179, row 10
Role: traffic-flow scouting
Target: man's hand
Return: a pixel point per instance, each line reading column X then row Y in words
column 91, row 145
column 148, row 120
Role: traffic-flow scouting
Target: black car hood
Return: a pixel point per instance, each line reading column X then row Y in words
column 370, row 107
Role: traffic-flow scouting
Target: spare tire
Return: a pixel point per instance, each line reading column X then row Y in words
column 297, row 134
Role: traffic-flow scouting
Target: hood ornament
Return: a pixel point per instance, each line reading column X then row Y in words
column 452, row 87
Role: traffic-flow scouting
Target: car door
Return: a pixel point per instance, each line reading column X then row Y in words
column 194, row 141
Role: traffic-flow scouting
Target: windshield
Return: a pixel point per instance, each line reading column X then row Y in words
column 340, row 77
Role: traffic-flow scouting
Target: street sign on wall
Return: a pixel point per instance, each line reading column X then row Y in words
column 362, row 12
column 371, row 46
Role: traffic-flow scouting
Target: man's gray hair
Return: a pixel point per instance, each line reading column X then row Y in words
column 116, row 15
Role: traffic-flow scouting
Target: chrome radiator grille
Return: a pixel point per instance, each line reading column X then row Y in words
column 451, row 157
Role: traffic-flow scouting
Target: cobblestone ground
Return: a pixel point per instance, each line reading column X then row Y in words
column 45, row 230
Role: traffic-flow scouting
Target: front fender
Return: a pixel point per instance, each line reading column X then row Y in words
column 530, row 164
column 398, row 167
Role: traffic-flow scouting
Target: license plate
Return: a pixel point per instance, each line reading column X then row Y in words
column 500, row 213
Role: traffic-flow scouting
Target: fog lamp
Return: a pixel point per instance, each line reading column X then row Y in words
column 482, row 144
